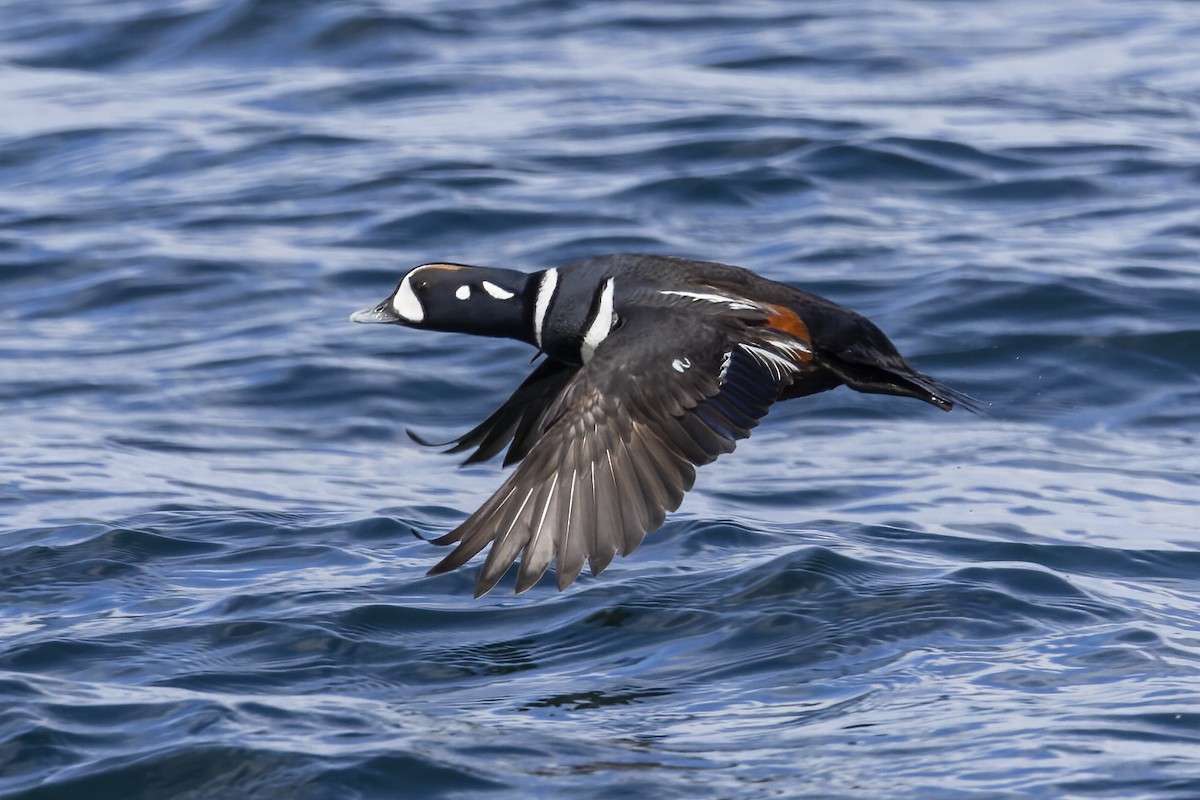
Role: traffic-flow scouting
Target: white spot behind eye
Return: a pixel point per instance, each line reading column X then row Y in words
column 497, row 292
column 680, row 364
column 463, row 292
column 405, row 301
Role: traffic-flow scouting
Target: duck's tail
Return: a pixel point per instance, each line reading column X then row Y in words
column 886, row 374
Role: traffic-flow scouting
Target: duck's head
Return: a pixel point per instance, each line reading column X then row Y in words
column 484, row 301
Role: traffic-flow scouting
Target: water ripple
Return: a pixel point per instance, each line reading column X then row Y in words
column 212, row 565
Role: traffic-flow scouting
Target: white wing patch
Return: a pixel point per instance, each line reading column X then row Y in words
column 725, row 361
column 777, row 361
column 681, row 364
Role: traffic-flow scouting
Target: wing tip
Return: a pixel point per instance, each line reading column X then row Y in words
column 421, row 440
column 452, row 446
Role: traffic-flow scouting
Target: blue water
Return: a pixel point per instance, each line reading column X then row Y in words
column 211, row 571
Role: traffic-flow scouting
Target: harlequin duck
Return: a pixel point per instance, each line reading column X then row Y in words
column 653, row 366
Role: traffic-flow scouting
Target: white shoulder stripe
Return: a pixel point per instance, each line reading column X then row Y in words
column 601, row 324
column 734, row 303
column 541, row 306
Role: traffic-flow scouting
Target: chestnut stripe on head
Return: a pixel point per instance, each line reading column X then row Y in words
column 788, row 321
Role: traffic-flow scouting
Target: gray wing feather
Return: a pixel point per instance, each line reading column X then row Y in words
column 613, row 452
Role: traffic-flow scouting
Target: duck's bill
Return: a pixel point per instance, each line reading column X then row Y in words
column 377, row 314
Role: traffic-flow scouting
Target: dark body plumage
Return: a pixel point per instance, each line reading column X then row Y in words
column 653, row 366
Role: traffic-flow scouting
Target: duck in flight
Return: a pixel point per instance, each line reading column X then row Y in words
column 653, row 366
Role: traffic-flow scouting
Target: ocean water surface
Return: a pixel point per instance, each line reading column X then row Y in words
column 212, row 566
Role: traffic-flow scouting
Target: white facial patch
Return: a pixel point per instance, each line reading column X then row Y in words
column 463, row 292
column 405, row 302
column 602, row 323
column 496, row 291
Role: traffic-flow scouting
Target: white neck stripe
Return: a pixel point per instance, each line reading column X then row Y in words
column 541, row 306
column 601, row 324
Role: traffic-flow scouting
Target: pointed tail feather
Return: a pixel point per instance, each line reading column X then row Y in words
column 903, row 381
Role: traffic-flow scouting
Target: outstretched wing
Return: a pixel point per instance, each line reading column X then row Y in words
column 618, row 447
column 516, row 420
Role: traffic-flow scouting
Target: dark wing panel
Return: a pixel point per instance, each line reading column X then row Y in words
column 515, row 420
column 618, row 449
